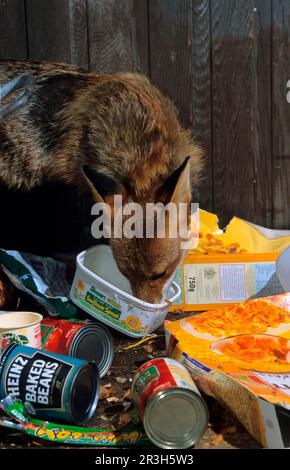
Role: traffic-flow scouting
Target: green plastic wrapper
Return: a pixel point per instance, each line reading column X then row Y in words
column 66, row 434
column 42, row 278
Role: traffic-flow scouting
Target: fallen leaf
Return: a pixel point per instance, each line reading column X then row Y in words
column 125, row 419
column 218, row 438
column 104, row 418
column 148, row 348
column 127, row 394
column 104, row 392
column 113, row 399
column 121, row 380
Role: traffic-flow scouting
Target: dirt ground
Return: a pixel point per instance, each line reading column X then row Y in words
column 115, row 408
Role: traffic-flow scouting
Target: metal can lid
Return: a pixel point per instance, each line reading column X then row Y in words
column 94, row 343
column 85, row 393
column 175, row 418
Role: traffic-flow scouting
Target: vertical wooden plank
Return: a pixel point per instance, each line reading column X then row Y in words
column 140, row 36
column 262, row 112
column 110, row 35
column 57, row 31
column 232, row 44
column 281, row 113
column 180, row 67
column 170, row 29
column 241, row 109
column 12, row 30
column 78, row 32
column 201, row 105
column 48, row 30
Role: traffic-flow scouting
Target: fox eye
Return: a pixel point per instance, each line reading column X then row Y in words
column 157, row 276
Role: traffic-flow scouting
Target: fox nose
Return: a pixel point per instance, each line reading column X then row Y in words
column 147, row 294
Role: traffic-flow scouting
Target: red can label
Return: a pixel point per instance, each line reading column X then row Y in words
column 157, row 375
column 58, row 335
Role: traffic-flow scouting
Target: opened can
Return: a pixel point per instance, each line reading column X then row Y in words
column 173, row 412
column 85, row 340
column 55, row 387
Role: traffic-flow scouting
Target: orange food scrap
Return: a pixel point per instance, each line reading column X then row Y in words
column 264, row 348
column 253, row 317
column 211, row 244
column 216, row 440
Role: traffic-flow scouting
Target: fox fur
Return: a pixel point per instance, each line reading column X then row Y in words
column 113, row 134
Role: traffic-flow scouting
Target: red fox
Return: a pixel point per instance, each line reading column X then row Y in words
column 115, row 134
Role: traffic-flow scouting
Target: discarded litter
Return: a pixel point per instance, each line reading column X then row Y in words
column 173, row 412
column 18, row 419
column 85, row 340
column 241, row 355
column 56, row 387
column 42, row 278
column 101, row 290
column 20, row 328
column 229, row 266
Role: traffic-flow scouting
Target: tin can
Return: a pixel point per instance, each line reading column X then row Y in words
column 20, row 328
column 85, row 340
column 173, row 412
column 57, row 388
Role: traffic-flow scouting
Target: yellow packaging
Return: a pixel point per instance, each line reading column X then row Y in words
column 241, row 355
column 229, row 266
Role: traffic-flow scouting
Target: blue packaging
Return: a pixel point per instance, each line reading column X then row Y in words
column 58, row 388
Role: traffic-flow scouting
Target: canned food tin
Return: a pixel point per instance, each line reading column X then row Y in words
column 85, row 340
column 59, row 388
column 173, row 412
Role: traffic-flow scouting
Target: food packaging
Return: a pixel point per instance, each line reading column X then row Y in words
column 229, row 266
column 241, row 355
column 101, row 290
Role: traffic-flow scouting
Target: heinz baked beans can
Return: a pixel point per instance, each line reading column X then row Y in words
column 173, row 413
column 85, row 340
column 55, row 387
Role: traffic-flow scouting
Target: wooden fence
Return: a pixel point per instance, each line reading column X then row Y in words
column 225, row 63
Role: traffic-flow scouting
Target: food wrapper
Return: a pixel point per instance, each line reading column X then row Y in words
column 240, row 354
column 16, row 417
column 42, row 278
column 231, row 265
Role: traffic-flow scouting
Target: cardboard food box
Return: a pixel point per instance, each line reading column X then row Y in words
column 241, row 355
column 229, row 266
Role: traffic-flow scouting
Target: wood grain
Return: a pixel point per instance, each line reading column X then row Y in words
column 180, row 66
column 241, row 109
column 110, row 35
column 201, row 89
column 140, row 36
column 262, row 113
column 170, row 30
column 78, row 33
column 48, row 30
column 12, row 30
column 281, row 113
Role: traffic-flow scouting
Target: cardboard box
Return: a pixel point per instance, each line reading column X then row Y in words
column 241, row 356
column 229, row 266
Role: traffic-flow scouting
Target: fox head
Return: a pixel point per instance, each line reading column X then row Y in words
column 136, row 148
column 147, row 262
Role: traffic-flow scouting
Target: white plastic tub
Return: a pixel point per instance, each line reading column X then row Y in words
column 102, row 291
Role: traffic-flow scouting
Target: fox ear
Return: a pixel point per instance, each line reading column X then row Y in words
column 177, row 186
column 102, row 185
